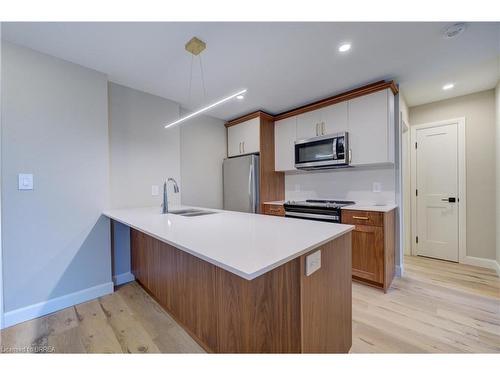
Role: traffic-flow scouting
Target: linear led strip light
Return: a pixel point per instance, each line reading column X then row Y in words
column 204, row 109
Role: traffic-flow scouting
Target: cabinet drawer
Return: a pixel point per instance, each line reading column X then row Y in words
column 356, row 217
column 273, row 209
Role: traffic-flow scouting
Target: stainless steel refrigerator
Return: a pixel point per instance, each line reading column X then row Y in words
column 241, row 183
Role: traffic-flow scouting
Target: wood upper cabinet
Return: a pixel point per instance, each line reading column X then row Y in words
column 371, row 128
column 285, row 134
column 373, row 246
column 244, row 138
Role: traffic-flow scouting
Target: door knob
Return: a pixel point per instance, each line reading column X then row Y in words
column 450, row 199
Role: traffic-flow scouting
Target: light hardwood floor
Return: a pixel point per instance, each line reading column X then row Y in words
column 436, row 307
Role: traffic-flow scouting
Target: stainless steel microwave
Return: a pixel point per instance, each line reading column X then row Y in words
column 324, row 152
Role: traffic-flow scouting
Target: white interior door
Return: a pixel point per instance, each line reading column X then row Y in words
column 437, row 184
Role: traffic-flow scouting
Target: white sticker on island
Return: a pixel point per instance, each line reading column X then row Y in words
column 313, row 262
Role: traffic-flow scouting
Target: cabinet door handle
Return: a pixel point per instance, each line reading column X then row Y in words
column 323, row 128
column 243, row 146
column 239, row 148
column 360, row 217
column 350, row 156
column 317, row 129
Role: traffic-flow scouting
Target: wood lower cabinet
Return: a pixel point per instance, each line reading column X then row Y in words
column 373, row 246
column 281, row 311
column 273, row 209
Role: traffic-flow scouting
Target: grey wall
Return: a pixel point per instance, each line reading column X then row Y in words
column 203, row 148
column 121, row 249
column 479, row 112
column 142, row 151
column 497, row 107
column 55, row 125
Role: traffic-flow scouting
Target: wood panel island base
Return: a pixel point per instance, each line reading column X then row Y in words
column 280, row 311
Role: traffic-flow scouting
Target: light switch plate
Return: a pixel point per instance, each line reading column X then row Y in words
column 313, row 262
column 155, row 190
column 25, row 181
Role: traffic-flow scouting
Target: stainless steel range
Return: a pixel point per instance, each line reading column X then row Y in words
column 316, row 209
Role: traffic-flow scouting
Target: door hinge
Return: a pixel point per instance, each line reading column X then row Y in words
column 416, row 239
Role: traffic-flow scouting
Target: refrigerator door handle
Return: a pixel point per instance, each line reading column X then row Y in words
column 250, row 187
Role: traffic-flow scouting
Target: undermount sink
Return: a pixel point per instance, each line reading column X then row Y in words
column 182, row 212
column 191, row 212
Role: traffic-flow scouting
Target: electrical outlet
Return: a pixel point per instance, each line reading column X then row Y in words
column 313, row 262
column 25, row 181
column 155, row 190
column 377, row 187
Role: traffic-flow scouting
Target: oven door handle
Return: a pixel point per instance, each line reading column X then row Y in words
column 310, row 216
column 334, row 148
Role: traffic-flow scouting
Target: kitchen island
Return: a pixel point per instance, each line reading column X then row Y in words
column 245, row 283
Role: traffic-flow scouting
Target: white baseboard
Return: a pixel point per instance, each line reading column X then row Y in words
column 43, row 308
column 481, row 262
column 123, row 278
column 497, row 267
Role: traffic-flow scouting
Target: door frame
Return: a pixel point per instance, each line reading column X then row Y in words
column 462, row 188
column 1, row 255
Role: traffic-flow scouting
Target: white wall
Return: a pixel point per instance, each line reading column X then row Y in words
column 405, row 165
column 348, row 184
column 142, row 152
column 54, row 125
column 479, row 112
column 203, row 148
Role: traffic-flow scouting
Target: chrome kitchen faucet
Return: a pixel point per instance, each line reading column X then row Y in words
column 164, row 206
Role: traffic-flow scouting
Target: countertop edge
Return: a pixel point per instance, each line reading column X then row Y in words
column 244, row 275
column 358, row 207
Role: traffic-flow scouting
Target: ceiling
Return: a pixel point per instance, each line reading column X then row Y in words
column 283, row 65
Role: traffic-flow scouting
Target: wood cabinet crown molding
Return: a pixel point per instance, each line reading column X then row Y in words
column 348, row 95
column 247, row 117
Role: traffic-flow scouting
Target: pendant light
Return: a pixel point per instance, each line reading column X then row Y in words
column 195, row 47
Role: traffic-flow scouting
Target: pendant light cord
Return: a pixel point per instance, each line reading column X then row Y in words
column 203, row 82
column 190, row 80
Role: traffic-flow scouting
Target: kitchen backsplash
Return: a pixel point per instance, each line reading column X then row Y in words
column 362, row 185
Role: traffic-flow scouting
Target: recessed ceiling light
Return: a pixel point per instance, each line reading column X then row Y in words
column 448, row 86
column 345, row 47
column 240, row 97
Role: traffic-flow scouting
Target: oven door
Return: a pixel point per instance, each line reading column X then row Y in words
column 321, row 152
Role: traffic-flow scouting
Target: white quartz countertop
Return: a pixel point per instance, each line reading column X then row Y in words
column 358, row 206
column 371, row 207
column 247, row 245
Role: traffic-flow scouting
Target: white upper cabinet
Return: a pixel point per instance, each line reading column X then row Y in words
column 308, row 124
column 244, row 138
column 333, row 119
column 285, row 134
column 371, row 128
column 323, row 121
